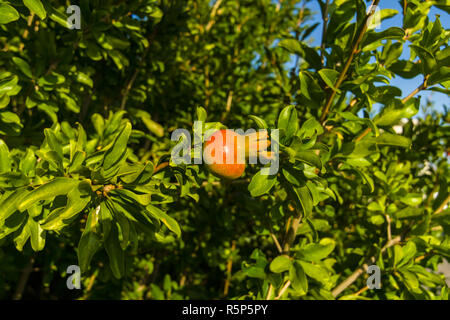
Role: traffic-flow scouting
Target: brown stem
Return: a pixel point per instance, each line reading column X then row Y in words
column 355, row 275
column 441, row 207
column 136, row 71
column 423, row 86
column 213, row 14
column 283, row 290
column 161, row 166
column 324, row 32
column 228, row 107
column 361, row 291
column 358, row 272
column 288, row 240
column 229, row 267
column 24, row 279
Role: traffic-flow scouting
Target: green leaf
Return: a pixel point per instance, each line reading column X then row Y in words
column 396, row 110
column 317, row 251
column 4, row 100
column 7, row 13
column 393, row 140
column 85, row 79
column 329, row 76
column 261, row 184
column 153, row 127
column 298, row 278
column 23, row 66
column 70, row 103
column 427, row 58
column 288, row 121
column 439, row 76
column 141, row 198
column 13, row 223
column 49, row 190
column 390, row 33
column 77, row 162
column 408, row 252
column 106, row 219
column 411, row 281
column 170, row 222
column 201, row 114
column 304, row 89
column 260, row 123
column 22, row 235
column 5, row 161
column 9, row 84
column 308, row 157
column 117, row 152
column 37, row 7
column 412, row 199
column 280, row 264
column 123, row 227
column 77, row 199
column 58, row 16
column 304, row 199
column 10, row 204
column 298, row 47
column 294, row 176
column 115, row 253
column 37, row 235
column 90, row 241
column 53, row 142
column 315, row 271
column 405, row 69
column 291, row 45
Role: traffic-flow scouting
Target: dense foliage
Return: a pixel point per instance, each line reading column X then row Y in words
column 86, row 176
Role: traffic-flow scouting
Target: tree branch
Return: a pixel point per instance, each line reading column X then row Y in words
column 213, row 14
column 283, row 290
column 423, row 86
column 24, row 279
column 355, row 275
column 136, row 71
column 229, row 267
column 326, row 107
column 324, row 32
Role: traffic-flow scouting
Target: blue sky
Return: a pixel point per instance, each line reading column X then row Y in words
column 406, row 85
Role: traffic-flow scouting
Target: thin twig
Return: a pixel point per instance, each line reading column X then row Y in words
column 423, row 86
column 358, row 272
column 228, row 107
column 289, row 238
column 213, row 14
column 136, row 71
column 324, row 32
column 443, row 204
column 24, row 279
column 229, row 267
column 355, row 275
column 269, row 292
column 361, row 291
column 275, row 240
column 389, row 234
column 282, row 291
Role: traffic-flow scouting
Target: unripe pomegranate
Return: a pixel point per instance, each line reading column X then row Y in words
column 224, row 154
column 225, row 151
